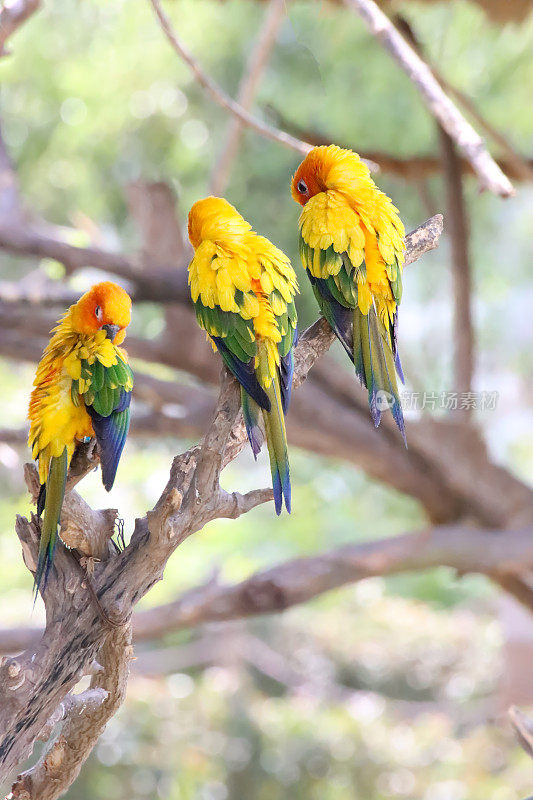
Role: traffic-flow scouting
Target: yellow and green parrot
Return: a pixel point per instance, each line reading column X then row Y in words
column 351, row 245
column 243, row 291
column 82, row 390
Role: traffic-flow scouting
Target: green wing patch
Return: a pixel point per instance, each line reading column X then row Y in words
column 105, row 385
column 238, row 333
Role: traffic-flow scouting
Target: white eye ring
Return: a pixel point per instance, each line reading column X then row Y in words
column 302, row 187
column 98, row 313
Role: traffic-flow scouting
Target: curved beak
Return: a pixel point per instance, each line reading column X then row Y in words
column 111, row 331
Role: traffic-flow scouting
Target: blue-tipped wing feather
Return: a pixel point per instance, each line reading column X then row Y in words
column 249, row 358
column 244, row 371
column 111, row 433
column 371, row 346
column 286, row 373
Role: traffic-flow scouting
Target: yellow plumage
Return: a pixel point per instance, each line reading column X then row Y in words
column 229, row 257
column 243, row 288
column 351, row 244
column 353, row 216
column 55, row 421
column 82, row 388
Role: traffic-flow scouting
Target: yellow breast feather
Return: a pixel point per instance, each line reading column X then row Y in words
column 56, row 421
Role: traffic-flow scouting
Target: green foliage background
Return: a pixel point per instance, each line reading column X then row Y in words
column 397, row 680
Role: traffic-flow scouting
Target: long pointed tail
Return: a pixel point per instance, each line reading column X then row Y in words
column 375, row 365
column 276, row 435
column 53, row 501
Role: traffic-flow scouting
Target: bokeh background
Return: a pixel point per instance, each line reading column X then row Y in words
column 391, row 688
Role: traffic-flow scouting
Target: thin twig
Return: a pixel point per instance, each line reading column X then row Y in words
column 456, row 217
column 438, row 103
column 219, row 95
column 517, row 164
column 255, row 66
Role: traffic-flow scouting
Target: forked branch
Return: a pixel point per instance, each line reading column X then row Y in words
column 437, row 101
column 34, row 684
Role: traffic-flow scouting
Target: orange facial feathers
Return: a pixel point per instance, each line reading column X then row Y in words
column 104, row 304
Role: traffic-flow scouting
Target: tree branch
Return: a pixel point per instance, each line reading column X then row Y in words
column 253, row 72
column 219, row 95
column 518, row 166
column 161, row 286
column 85, row 717
column 523, row 728
column 33, row 685
column 463, row 333
column 273, row 590
column 501, row 555
column 438, row 103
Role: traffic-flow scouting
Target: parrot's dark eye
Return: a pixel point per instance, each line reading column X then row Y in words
column 98, row 313
column 302, row 187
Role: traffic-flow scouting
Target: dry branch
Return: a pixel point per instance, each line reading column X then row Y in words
column 519, row 167
column 278, row 588
column 85, row 717
column 463, row 331
column 438, row 103
column 219, row 95
column 523, row 728
column 257, row 62
column 34, row 684
column 502, row 554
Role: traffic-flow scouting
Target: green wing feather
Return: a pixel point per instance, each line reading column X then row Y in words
column 370, row 346
column 107, row 400
column 235, row 340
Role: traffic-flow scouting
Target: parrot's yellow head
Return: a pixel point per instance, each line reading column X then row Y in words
column 215, row 219
column 104, row 307
column 328, row 167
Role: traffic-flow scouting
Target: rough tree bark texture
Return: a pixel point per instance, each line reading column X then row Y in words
column 446, row 467
column 34, row 684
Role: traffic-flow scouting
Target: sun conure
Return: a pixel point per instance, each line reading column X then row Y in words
column 82, row 390
column 243, row 291
column 351, row 245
